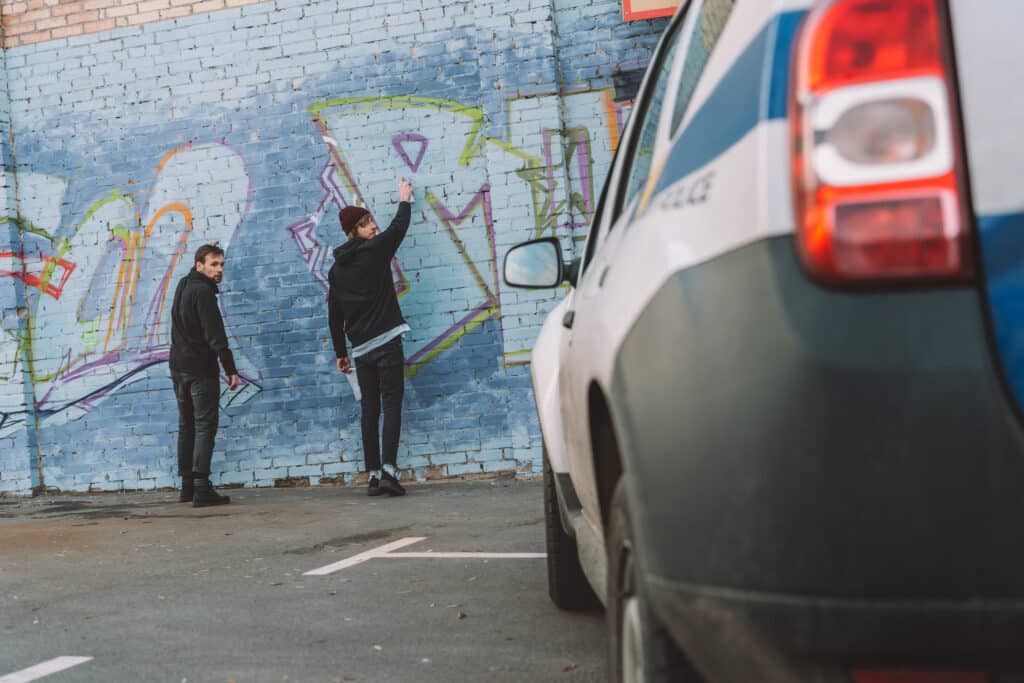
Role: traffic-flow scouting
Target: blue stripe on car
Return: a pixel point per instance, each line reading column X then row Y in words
column 1002, row 252
column 738, row 103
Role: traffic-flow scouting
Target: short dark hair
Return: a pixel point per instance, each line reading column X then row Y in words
column 205, row 250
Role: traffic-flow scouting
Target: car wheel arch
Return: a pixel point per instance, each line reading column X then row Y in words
column 604, row 445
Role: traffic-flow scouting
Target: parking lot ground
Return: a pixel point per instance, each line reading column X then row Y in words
column 140, row 587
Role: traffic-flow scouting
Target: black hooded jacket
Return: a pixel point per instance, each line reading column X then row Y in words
column 198, row 338
column 362, row 302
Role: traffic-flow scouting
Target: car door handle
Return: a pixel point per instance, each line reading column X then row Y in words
column 567, row 319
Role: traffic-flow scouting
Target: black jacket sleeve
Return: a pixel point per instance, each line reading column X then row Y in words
column 391, row 238
column 336, row 320
column 213, row 329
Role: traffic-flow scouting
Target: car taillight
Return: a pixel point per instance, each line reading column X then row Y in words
column 875, row 154
column 916, row 676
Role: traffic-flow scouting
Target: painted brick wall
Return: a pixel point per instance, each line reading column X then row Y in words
column 17, row 474
column 252, row 125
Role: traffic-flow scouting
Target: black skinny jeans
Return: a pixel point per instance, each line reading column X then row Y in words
column 381, row 375
column 198, row 415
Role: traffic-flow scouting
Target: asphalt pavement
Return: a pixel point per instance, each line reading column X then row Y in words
column 316, row 584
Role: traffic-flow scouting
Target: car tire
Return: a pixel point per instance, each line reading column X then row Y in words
column 641, row 649
column 567, row 584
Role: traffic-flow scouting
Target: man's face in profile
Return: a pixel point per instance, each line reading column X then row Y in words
column 212, row 267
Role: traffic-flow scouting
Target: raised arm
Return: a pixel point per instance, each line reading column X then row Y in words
column 391, row 238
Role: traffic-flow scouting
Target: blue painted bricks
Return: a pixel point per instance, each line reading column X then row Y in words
column 252, row 126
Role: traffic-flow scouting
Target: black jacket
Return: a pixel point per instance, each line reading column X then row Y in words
column 197, row 330
column 362, row 300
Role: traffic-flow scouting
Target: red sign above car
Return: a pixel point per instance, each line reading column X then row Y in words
column 633, row 10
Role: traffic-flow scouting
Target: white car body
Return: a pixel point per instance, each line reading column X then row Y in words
column 640, row 270
column 749, row 333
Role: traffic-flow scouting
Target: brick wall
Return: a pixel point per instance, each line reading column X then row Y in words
column 17, row 472
column 252, row 124
column 34, row 21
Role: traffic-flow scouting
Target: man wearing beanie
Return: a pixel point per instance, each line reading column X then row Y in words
column 363, row 305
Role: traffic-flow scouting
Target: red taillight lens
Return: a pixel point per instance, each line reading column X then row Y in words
column 898, row 237
column 875, row 161
column 868, row 40
column 912, row 676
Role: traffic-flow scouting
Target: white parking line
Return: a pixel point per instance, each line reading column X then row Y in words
column 363, row 557
column 450, row 556
column 385, row 552
column 46, row 668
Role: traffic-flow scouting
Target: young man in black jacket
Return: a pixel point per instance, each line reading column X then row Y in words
column 198, row 340
column 362, row 304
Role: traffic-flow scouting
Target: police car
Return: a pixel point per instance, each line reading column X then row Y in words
column 781, row 401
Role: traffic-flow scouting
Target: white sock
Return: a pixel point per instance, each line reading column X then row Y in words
column 392, row 470
column 375, row 474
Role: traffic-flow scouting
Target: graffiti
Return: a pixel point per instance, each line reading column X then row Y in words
column 47, row 274
column 101, row 319
column 11, row 402
column 453, row 259
column 314, row 253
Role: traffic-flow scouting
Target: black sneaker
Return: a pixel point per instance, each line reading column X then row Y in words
column 187, row 490
column 374, row 488
column 390, row 485
column 205, row 495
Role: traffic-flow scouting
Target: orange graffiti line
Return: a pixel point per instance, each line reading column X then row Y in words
column 128, row 292
column 167, row 157
column 613, row 122
column 478, row 200
column 182, row 243
column 113, row 311
column 126, row 286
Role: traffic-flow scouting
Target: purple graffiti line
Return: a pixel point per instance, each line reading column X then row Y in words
column 128, row 366
column 330, row 185
column 490, row 306
column 314, row 252
column 399, row 142
column 305, row 235
column 81, row 375
column 458, row 329
column 481, row 199
column 339, row 162
column 575, row 145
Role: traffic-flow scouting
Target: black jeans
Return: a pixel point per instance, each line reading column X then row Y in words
column 198, row 414
column 381, row 375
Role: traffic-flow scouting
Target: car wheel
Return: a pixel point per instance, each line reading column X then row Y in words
column 641, row 649
column 567, row 584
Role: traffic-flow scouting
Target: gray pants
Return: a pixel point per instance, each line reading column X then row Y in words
column 198, row 414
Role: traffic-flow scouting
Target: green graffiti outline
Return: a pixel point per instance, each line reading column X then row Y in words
column 62, row 245
column 476, row 143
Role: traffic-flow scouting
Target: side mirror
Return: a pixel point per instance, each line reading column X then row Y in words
column 536, row 264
